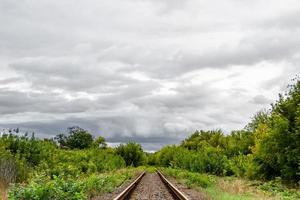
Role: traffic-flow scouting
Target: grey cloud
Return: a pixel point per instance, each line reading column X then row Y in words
column 68, row 73
column 250, row 51
column 6, row 81
column 260, row 99
column 147, row 55
column 289, row 21
column 186, row 97
column 13, row 102
column 167, row 6
column 163, row 63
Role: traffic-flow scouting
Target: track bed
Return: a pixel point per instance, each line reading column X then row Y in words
column 151, row 188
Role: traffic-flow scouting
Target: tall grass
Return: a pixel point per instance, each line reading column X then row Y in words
column 72, row 188
column 232, row 188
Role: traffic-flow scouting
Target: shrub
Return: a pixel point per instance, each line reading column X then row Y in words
column 209, row 160
column 77, row 138
column 240, row 165
column 132, row 153
column 12, row 169
column 191, row 178
column 69, row 188
column 56, row 189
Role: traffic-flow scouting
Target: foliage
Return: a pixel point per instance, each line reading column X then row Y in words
column 260, row 117
column 75, row 162
column 208, row 160
column 239, row 143
column 231, row 188
column 201, row 139
column 11, row 169
column 28, row 148
column 77, row 138
column 78, row 188
column 22, row 156
column 277, row 139
column 276, row 187
column 41, row 188
column 43, row 170
column 96, row 185
column 191, row 178
column 240, row 165
column 132, row 153
column 99, row 142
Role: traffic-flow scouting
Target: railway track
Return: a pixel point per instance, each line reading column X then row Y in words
column 154, row 183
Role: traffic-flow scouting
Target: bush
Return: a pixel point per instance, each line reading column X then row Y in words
column 191, row 178
column 56, row 189
column 77, row 138
column 276, row 187
column 240, row 165
column 76, row 162
column 132, row 153
column 76, row 188
column 209, row 160
column 12, row 169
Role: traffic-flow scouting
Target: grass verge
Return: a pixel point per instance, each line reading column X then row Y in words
column 231, row 188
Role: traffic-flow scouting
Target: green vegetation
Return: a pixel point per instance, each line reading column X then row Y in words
column 261, row 161
column 57, row 188
column 132, row 153
column 77, row 138
column 44, row 169
column 232, row 188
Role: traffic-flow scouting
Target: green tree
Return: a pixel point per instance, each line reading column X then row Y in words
column 200, row 139
column 99, row 142
column 239, row 143
column 77, row 138
column 132, row 153
column 259, row 118
column 277, row 145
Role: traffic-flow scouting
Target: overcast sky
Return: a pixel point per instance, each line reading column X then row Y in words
column 152, row 71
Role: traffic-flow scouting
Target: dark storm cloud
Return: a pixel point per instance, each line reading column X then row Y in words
column 149, row 71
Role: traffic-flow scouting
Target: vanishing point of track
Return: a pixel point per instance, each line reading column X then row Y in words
column 169, row 188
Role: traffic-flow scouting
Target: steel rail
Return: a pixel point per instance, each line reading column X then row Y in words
column 123, row 195
column 179, row 195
